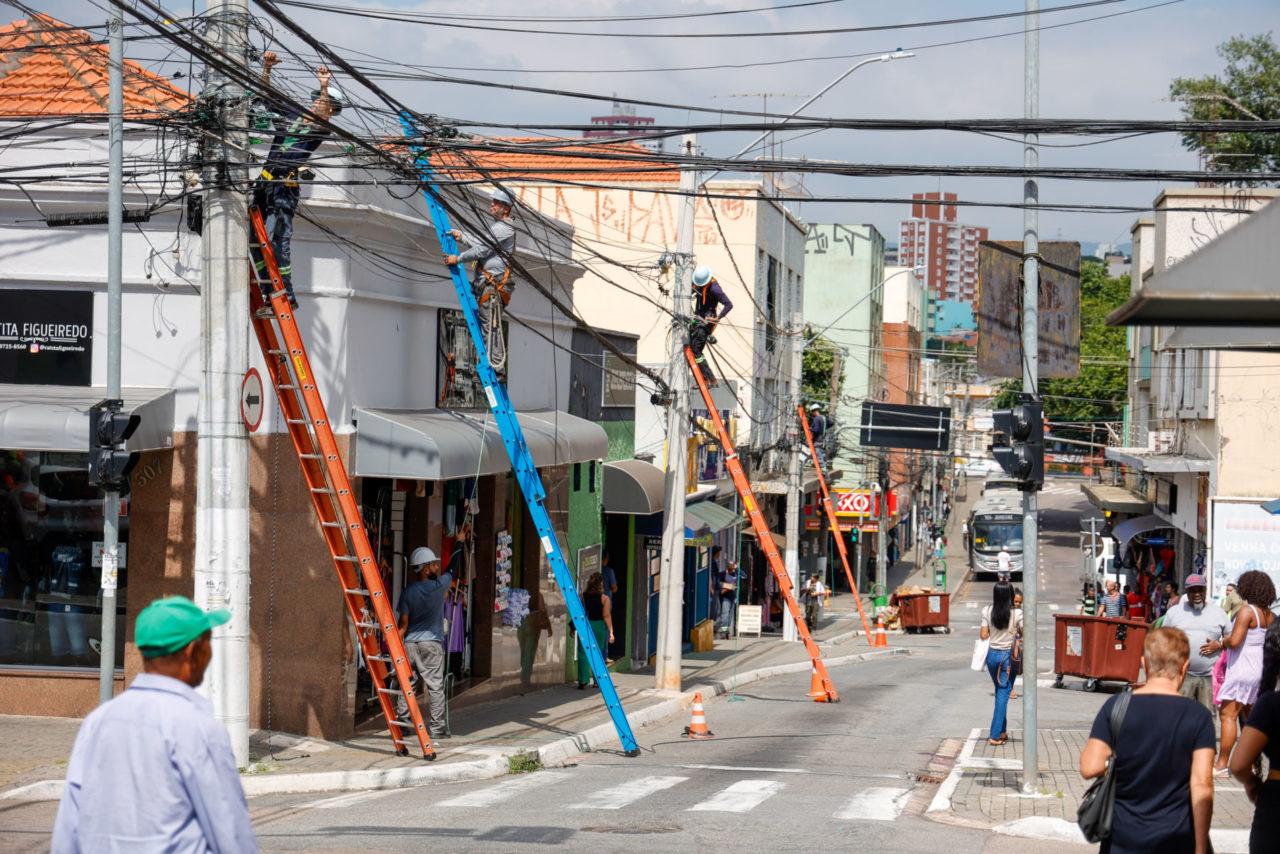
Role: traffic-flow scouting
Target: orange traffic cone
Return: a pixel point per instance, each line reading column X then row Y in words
column 697, row 727
column 882, row 637
column 817, row 692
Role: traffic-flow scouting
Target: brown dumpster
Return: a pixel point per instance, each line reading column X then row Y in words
column 925, row 611
column 1097, row 649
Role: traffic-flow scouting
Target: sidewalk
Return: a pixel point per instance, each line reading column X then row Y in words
column 555, row 723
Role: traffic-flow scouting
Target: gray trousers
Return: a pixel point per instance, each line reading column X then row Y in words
column 1200, row 689
column 427, row 658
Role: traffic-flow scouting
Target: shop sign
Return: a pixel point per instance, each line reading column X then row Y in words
column 619, row 385
column 818, row 524
column 588, row 564
column 861, row 502
column 749, row 619
column 1000, row 306
column 1245, row 537
column 46, row 337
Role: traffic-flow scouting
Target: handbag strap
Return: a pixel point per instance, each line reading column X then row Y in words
column 1118, row 712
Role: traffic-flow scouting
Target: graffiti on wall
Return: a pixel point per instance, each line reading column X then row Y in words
column 632, row 216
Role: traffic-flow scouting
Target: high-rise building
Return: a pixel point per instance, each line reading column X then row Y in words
column 620, row 124
column 947, row 249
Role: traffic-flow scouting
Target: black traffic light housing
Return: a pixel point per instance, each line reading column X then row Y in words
column 1019, row 442
column 109, row 429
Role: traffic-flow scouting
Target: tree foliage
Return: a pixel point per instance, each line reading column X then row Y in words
column 1247, row 89
column 819, row 360
column 1099, row 392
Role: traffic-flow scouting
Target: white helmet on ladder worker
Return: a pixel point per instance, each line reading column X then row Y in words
column 702, row 276
column 502, row 197
column 422, row 556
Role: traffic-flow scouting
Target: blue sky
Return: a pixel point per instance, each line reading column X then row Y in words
column 1114, row 68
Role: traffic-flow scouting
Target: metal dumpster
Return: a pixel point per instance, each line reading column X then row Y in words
column 1097, row 649
column 924, row 611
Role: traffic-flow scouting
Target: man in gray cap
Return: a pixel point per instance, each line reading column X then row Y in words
column 152, row 770
column 421, row 610
column 1204, row 624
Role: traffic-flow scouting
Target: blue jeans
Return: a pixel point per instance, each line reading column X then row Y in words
column 999, row 666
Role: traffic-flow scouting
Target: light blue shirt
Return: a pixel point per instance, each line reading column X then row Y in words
column 151, row 772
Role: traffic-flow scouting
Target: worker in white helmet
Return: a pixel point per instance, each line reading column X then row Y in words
column 489, row 254
column 421, row 622
column 708, row 297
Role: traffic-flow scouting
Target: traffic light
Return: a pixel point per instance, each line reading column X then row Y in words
column 1019, row 442
column 109, row 429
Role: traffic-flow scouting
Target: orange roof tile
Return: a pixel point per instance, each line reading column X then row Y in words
column 555, row 163
column 48, row 68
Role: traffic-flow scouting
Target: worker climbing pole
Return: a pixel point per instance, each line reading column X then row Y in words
column 494, row 278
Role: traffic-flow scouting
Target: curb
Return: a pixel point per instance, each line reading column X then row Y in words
column 556, row 753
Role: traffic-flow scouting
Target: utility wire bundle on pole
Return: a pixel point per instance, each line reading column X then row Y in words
column 671, row 579
column 222, row 452
column 1030, row 359
column 794, row 363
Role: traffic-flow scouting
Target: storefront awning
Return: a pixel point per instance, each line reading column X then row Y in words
column 440, row 444
column 717, row 518
column 1130, row 528
column 1145, row 460
column 56, row 418
column 1117, row 499
column 633, row 487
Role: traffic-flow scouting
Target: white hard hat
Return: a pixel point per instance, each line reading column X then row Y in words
column 813, row 407
column 502, row 196
column 422, row 556
column 701, row 276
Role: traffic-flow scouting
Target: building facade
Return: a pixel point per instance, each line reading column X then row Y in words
column 947, row 249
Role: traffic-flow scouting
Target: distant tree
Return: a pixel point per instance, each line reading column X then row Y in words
column 816, row 369
column 1099, row 392
column 1248, row 89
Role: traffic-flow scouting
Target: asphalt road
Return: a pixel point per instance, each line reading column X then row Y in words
column 781, row 773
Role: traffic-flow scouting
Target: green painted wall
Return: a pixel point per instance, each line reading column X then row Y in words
column 585, row 527
column 622, row 439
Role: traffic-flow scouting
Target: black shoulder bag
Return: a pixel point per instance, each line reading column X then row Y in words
column 1098, row 806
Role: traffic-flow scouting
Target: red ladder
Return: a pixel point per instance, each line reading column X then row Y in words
column 330, row 488
column 763, row 535
column 835, row 526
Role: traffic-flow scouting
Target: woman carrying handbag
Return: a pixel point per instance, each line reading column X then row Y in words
column 1001, row 625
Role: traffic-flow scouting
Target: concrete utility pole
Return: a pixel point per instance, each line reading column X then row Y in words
column 882, row 510
column 115, row 277
column 222, row 451
column 671, row 590
column 1030, row 369
column 791, row 556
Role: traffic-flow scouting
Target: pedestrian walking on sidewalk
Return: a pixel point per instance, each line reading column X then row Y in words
column 812, row 597
column 421, row 610
column 1113, row 604
column 152, row 770
column 1001, row 624
column 598, row 607
column 1205, row 624
column 1262, row 735
column 1089, row 600
column 1244, row 659
column 1163, row 757
column 727, row 590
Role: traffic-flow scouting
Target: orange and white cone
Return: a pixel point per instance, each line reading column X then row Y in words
column 882, row 637
column 697, row 727
column 817, row 692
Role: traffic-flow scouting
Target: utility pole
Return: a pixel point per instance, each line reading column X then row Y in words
column 671, row 590
column 115, row 276
column 882, row 510
column 1030, row 370
column 222, row 451
column 791, row 556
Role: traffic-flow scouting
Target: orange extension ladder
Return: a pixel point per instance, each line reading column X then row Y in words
column 330, row 488
column 835, row 526
column 764, row 536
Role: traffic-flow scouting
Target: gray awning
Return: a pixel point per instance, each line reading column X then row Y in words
column 1130, row 528
column 56, row 418
column 1145, row 460
column 1223, row 338
column 1117, row 499
column 717, row 518
column 440, row 444
column 633, row 487
column 1230, row 281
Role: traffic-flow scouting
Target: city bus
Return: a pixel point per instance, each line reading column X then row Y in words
column 995, row 522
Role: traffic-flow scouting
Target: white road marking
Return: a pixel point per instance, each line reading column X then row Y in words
column 1054, row 607
column 742, row 796
column 971, row 604
column 504, row 791
column 628, row 793
column 942, row 798
column 879, row 804
column 746, row 768
column 346, row 800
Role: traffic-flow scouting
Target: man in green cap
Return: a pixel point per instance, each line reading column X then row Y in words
column 152, row 769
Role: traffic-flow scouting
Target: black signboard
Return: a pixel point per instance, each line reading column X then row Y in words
column 46, row 337
column 895, row 425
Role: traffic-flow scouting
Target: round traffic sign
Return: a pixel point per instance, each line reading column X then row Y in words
column 252, row 402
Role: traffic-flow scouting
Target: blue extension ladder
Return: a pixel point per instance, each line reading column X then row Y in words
column 521, row 460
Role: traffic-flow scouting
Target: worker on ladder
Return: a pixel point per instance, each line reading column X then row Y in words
column 492, row 276
column 276, row 192
column 708, row 296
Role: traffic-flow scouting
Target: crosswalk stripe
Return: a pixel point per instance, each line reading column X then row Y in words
column 742, row 796
column 340, row 801
column 628, row 793
column 504, row 791
column 878, row 804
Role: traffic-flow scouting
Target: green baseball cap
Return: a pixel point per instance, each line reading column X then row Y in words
column 167, row 625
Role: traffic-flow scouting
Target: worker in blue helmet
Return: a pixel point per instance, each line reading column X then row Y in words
column 708, row 299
